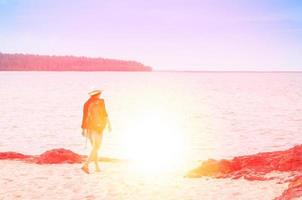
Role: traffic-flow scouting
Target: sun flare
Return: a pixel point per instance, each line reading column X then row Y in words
column 155, row 143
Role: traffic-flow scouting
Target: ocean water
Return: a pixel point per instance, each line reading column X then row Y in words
column 197, row 115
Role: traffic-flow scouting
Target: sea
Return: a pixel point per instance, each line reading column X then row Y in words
column 195, row 115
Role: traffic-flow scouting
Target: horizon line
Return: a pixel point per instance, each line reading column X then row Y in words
column 166, row 71
column 230, row 71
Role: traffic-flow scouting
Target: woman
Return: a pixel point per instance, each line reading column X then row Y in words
column 95, row 119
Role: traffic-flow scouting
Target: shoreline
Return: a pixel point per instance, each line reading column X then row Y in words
column 20, row 180
column 281, row 170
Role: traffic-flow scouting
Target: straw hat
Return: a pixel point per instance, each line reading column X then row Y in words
column 94, row 92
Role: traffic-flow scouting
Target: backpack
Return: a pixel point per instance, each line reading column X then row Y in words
column 96, row 118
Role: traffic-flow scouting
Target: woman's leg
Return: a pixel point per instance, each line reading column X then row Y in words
column 85, row 167
column 98, row 142
column 96, row 139
column 94, row 149
column 91, row 156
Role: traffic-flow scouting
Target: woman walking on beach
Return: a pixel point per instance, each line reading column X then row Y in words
column 95, row 119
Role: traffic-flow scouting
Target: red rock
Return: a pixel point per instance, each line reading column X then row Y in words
column 255, row 167
column 12, row 156
column 208, row 168
column 262, row 163
column 56, row 156
column 294, row 190
column 256, row 178
column 225, row 166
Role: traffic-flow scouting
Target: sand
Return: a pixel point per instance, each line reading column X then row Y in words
column 116, row 181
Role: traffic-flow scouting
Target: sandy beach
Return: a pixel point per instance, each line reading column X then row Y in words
column 20, row 180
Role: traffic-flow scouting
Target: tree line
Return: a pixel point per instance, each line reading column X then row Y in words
column 28, row 62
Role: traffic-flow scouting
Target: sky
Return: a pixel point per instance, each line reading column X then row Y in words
column 260, row 35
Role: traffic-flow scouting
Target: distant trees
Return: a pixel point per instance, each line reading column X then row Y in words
column 26, row 62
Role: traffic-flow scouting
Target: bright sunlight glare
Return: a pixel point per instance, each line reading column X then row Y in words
column 155, row 142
